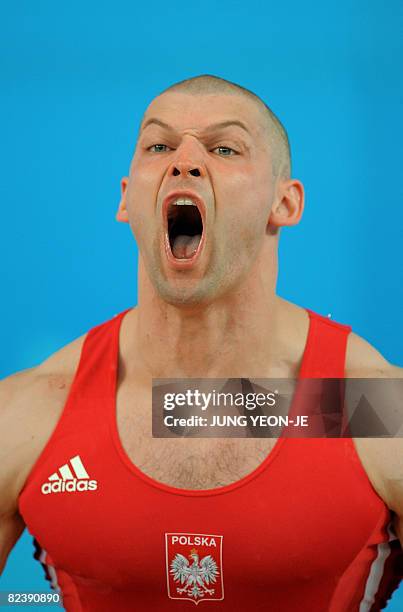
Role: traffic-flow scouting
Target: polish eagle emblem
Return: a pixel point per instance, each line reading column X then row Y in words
column 194, row 578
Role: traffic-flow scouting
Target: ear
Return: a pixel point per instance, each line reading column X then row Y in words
column 122, row 215
column 288, row 204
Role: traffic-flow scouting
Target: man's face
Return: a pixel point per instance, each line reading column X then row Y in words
column 199, row 194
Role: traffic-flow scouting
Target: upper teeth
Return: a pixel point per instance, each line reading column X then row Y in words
column 184, row 202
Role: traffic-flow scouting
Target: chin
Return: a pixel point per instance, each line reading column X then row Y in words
column 185, row 296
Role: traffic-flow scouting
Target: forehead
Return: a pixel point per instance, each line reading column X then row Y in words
column 198, row 111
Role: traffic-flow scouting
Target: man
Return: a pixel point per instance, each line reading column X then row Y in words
column 125, row 521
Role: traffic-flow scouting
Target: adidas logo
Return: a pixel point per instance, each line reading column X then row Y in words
column 71, row 477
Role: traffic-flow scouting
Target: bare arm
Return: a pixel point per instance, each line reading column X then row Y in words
column 11, row 527
column 30, row 406
column 383, row 455
column 11, row 523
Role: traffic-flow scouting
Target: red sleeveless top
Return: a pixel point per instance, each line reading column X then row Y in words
column 304, row 531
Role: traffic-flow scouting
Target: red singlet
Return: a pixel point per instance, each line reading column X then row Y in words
column 305, row 531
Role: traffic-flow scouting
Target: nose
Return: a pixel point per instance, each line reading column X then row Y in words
column 188, row 160
column 185, row 170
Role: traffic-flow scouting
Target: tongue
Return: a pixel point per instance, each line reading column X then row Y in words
column 184, row 247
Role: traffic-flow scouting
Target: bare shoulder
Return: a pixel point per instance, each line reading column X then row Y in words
column 31, row 402
column 382, row 458
column 364, row 361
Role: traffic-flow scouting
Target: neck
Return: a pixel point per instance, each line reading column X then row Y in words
column 236, row 336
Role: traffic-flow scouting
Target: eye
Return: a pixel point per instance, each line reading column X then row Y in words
column 158, row 148
column 225, row 151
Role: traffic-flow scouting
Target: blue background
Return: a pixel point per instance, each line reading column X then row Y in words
column 75, row 79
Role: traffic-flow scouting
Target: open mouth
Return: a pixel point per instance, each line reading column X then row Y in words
column 185, row 228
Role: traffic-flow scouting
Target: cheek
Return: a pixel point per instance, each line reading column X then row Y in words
column 142, row 196
column 243, row 212
column 235, row 181
column 142, row 191
column 251, row 231
column 145, row 180
column 250, row 203
column 246, row 187
column 239, row 239
column 141, row 214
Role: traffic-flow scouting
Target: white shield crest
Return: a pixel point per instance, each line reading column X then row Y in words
column 194, row 566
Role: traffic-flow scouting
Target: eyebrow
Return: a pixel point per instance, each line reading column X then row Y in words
column 211, row 128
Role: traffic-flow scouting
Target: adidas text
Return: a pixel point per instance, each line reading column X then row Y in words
column 69, row 486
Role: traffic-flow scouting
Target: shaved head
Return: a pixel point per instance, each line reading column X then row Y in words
column 277, row 135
